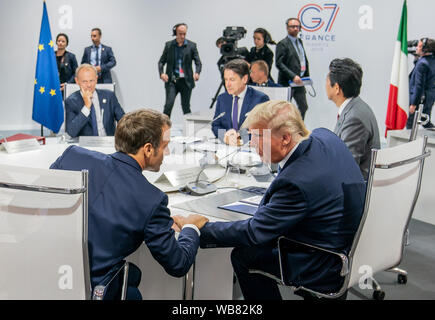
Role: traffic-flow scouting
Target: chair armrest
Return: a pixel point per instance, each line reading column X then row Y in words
column 101, row 290
column 286, row 245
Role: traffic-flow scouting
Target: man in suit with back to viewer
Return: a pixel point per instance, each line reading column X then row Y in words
column 292, row 63
column 100, row 56
column 356, row 123
column 178, row 77
column 235, row 103
column 125, row 209
column 90, row 111
column 316, row 198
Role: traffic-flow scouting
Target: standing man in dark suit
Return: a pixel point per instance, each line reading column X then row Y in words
column 356, row 122
column 91, row 112
column 305, row 202
column 178, row 55
column 125, row 209
column 100, row 56
column 292, row 63
column 235, row 103
column 422, row 82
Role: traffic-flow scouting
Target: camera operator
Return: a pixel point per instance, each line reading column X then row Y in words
column 422, row 82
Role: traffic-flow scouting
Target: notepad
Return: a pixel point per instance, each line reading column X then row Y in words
column 240, row 207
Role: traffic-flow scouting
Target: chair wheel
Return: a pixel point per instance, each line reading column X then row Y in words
column 402, row 278
column 379, row 295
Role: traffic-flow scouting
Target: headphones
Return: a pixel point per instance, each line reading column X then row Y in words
column 264, row 33
column 424, row 45
column 174, row 28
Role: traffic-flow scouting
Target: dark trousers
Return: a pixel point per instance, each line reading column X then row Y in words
column 172, row 89
column 256, row 286
column 298, row 93
column 427, row 109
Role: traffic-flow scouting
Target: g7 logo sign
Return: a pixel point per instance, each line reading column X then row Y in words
column 313, row 17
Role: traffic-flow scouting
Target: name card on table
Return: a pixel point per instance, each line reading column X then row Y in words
column 93, row 141
column 21, row 145
column 172, row 180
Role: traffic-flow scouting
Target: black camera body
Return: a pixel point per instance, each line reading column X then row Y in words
column 412, row 47
column 230, row 36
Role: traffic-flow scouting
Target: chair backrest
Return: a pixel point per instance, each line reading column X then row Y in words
column 392, row 191
column 43, row 234
column 275, row 93
column 70, row 88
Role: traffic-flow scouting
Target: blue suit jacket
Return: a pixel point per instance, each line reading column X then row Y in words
column 305, row 202
column 77, row 124
column 225, row 104
column 422, row 82
column 124, row 211
column 108, row 61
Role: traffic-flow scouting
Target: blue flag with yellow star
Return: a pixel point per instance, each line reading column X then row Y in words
column 47, row 97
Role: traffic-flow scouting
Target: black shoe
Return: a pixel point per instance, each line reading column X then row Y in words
column 429, row 126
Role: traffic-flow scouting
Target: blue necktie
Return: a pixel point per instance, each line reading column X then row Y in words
column 236, row 113
column 98, row 57
column 94, row 121
column 279, row 170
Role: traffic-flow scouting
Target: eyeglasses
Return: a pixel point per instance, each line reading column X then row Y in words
column 294, row 27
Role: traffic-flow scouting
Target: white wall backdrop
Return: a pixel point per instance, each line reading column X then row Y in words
column 364, row 30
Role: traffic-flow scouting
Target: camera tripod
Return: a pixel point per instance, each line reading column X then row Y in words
column 213, row 100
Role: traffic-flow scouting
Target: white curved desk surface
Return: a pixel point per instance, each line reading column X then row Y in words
column 213, row 270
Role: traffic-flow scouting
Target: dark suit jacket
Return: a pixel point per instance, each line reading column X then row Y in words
column 305, row 202
column 422, row 82
column 358, row 128
column 77, row 124
column 264, row 54
column 190, row 54
column 124, row 211
column 67, row 68
column 269, row 83
column 287, row 62
column 108, row 61
column 225, row 104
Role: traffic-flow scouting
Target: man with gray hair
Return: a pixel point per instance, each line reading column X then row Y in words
column 308, row 201
column 90, row 111
column 126, row 210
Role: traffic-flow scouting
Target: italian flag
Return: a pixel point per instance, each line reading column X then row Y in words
column 398, row 99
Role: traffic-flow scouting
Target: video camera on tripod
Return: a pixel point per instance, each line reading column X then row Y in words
column 229, row 51
column 230, row 37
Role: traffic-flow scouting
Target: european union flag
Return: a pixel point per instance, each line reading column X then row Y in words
column 47, row 97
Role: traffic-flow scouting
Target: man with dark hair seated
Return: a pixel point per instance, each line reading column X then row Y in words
column 356, row 122
column 236, row 102
column 125, row 209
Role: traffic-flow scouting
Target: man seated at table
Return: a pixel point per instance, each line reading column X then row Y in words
column 235, row 103
column 305, row 202
column 125, row 209
column 90, row 111
column 259, row 75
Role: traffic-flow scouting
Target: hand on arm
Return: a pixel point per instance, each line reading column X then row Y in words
column 195, row 219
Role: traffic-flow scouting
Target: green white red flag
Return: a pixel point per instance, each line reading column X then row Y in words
column 398, row 100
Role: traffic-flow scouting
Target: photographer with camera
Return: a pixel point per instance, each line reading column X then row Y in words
column 422, row 82
column 178, row 56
